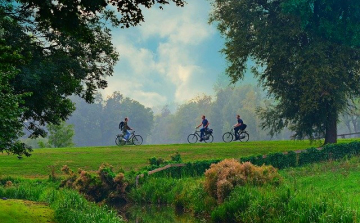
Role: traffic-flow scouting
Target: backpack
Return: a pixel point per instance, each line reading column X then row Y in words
column 243, row 126
column 121, row 125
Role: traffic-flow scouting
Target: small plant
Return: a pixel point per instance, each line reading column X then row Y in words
column 156, row 161
column 176, row 158
column 52, row 175
column 223, row 177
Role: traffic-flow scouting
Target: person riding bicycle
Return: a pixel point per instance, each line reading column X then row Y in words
column 205, row 123
column 238, row 126
column 126, row 129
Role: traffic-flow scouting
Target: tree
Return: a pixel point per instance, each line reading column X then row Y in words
column 66, row 49
column 307, row 56
column 10, row 111
column 351, row 117
column 116, row 108
column 97, row 124
column 61, row 135
column 87, row 121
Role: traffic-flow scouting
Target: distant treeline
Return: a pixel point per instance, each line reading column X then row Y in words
column 97, row 124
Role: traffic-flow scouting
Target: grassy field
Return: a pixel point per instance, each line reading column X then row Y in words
column 134, row 157
column 14, row 211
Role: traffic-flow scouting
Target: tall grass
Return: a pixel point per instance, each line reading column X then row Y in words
column 69, row 205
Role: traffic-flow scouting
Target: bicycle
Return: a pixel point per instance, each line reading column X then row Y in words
column 208, row 137
column 243, row 136
column 132, row 140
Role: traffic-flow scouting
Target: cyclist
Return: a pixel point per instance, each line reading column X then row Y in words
column 205, row 123
column 125, row 129
column 238, row 126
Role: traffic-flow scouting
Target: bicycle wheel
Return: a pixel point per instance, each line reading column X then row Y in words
column 192, row 138
column 227, row 137
column 210, row 140
column 137, row 140
column 244, row 136
column 118, row 140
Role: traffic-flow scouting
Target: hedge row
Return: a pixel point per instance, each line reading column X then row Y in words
column 311, row 155
column 278, row 160
column 192, row 169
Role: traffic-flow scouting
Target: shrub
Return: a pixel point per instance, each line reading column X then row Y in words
column 100, row 186
column 312, row 155
column 153, row 161
column 176, row 158
column 223, row 177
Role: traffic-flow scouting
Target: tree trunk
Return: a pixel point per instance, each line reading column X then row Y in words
column 331, row 130
column 355, row 124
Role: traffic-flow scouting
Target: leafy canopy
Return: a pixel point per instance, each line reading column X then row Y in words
column 306, row 54
column 65, row 49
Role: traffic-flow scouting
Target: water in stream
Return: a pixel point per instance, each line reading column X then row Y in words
column 159, row 214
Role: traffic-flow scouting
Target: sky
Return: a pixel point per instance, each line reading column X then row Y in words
column 171, row 58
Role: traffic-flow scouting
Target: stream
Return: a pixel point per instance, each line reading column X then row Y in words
column 158, row 214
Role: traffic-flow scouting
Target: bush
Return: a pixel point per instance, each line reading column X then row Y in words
column 153, row 161
column 312, row 155
column 221, row 178
column 100, row 186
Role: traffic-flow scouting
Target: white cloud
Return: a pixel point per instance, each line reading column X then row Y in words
column 159, row 61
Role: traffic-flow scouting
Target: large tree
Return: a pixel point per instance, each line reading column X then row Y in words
column 307, row 56
column 66, row 49
column 10, row 110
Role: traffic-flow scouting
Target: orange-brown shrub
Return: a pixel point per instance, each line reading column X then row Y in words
column 8, row 183
column 222, row 177
column 100, row 186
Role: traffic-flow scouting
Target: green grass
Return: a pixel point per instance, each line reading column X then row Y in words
column 14, row 211
column 135, row 157
column 67, row 205
column 320, row 192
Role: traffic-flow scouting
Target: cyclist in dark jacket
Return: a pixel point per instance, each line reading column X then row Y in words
column 205, row 123
column 238, row 126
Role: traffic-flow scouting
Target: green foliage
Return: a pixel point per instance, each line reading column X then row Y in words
column 135, row 158
column 18, row 210
column 247, row 204
column 62, row 49
column 221, row 112
column 191, row 169
column 176, row 158
column 61, row 135
column 311, row 155
column 306, row 55
column 304, row 191
column 156, row 161
column 10, row 109
column 184, row 194
column 340, row 151
column 69, row 205
column 97, row 124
